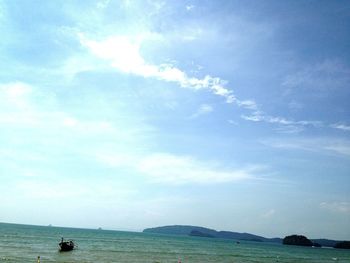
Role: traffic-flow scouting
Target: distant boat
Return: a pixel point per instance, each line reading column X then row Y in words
column 66, row 245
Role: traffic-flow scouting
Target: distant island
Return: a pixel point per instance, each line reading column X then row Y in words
column 198, row 231
column 297, row 240
column 207, row 232
column 343, row 245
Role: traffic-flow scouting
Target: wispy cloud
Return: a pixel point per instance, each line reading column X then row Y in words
column 338, row 207
column 319, row 145
column 174, row 169
column 202, row 110
column 286, row 125
column 340, row 148
column 15, row 94
column 247, row 104
column 268, row 214
column 323, row 76
column 327, row 75
column 340, row 126
column 232, row 122
column 178, row 169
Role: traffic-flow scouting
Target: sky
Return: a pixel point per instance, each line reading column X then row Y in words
column 232, row 115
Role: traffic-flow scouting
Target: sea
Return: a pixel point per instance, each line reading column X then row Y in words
column 24, row 243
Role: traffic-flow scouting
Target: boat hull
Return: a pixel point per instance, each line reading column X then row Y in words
column 66, row 246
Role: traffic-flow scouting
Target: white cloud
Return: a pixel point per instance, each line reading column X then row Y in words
column 189, row 7
column 124, row 54
column 268, row 214
column 203, row 109
column 248, row 104
column 74, row 65
column 15, row 94
column 340, row 126
column 289, row 129
column 339, row 148
column 319, row 145
column 338, row 207
column 16, row 89
column 256, row 117
column 174, row 169
column 323, row 76
column 286, row 125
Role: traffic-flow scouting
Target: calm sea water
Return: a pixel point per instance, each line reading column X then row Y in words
column 22, row 243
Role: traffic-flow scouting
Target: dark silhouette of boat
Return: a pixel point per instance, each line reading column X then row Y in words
column 66, row 245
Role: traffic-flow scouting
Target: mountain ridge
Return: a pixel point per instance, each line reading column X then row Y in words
column 208, row 232
column 187, row 229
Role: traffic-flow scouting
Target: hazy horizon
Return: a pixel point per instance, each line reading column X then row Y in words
column 141, row 230
column 231, row 115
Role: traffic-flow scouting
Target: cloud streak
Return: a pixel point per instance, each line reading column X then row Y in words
column 202, row 110
column 269, row 214
column 167, row 168
column 341, row 126
column 178, row 169
column 324, row 76
column 337, row 207
column 123, row 52
column 319, row 145
column 289, row 126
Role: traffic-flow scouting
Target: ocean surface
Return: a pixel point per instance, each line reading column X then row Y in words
column 23, row 243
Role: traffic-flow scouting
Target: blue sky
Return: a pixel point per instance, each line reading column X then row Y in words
column 232, row 115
